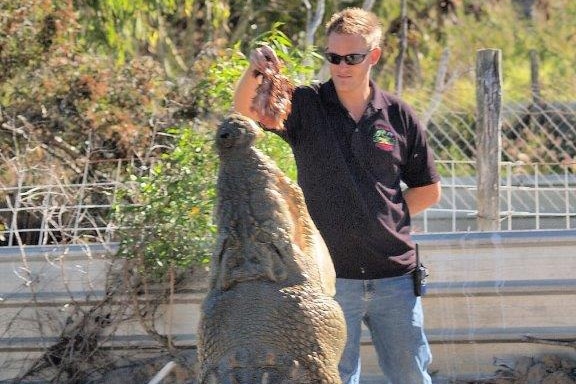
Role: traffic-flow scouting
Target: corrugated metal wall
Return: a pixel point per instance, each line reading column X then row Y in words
column 487, row 292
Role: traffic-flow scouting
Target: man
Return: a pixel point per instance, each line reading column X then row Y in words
column 354, row 144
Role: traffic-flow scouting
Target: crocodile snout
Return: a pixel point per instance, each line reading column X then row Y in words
column 225, row 138
column 236, row 131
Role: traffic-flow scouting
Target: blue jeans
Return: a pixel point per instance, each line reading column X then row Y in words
column 393, row 314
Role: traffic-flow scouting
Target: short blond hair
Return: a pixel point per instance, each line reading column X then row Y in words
column 357, row 21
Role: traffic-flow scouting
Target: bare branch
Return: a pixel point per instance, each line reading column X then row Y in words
column 438, row 87
column 313, row 21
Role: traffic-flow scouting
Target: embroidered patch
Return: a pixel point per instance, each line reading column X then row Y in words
column 384, row 137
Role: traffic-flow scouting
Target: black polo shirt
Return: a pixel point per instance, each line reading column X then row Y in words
column 350, row 175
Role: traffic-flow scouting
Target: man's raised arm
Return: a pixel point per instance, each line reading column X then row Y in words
column 245, row 92
column 263, row 93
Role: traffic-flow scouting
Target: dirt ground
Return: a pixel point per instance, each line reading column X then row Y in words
column 548, row 369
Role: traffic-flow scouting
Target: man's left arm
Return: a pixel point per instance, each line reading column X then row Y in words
column 419, row 199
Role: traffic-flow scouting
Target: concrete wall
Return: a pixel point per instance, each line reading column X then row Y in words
column 487, row 292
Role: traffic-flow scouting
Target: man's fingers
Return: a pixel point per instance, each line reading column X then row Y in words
column 262, row 58
column 268, row 54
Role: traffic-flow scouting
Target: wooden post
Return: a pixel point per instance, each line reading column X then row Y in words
column 488, row 138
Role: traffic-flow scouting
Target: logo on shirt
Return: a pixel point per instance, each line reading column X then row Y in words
column 384, row 137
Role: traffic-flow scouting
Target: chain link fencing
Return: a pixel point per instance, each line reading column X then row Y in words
column 537, row 168
column 537, row 178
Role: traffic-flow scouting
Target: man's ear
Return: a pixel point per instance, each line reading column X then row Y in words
column 375, row 55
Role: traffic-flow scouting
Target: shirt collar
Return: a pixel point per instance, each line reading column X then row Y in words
column 379, row 102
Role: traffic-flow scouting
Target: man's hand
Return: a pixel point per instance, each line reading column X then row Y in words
column 263, row 59
column 263, row 93
column 272, row 101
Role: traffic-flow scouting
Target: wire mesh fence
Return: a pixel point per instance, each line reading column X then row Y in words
column 59, row 212
column 531, row 133
column 537, row 188
column 530, row 198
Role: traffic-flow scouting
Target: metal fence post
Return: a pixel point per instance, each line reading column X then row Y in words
column 488, row 137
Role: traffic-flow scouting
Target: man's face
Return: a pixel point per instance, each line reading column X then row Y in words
column 348, row 77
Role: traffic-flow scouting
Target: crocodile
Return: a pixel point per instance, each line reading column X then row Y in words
column 269, row 315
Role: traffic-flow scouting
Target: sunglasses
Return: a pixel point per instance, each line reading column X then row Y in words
column 350, row 59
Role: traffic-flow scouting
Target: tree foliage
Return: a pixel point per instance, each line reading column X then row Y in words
column 172, row 224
